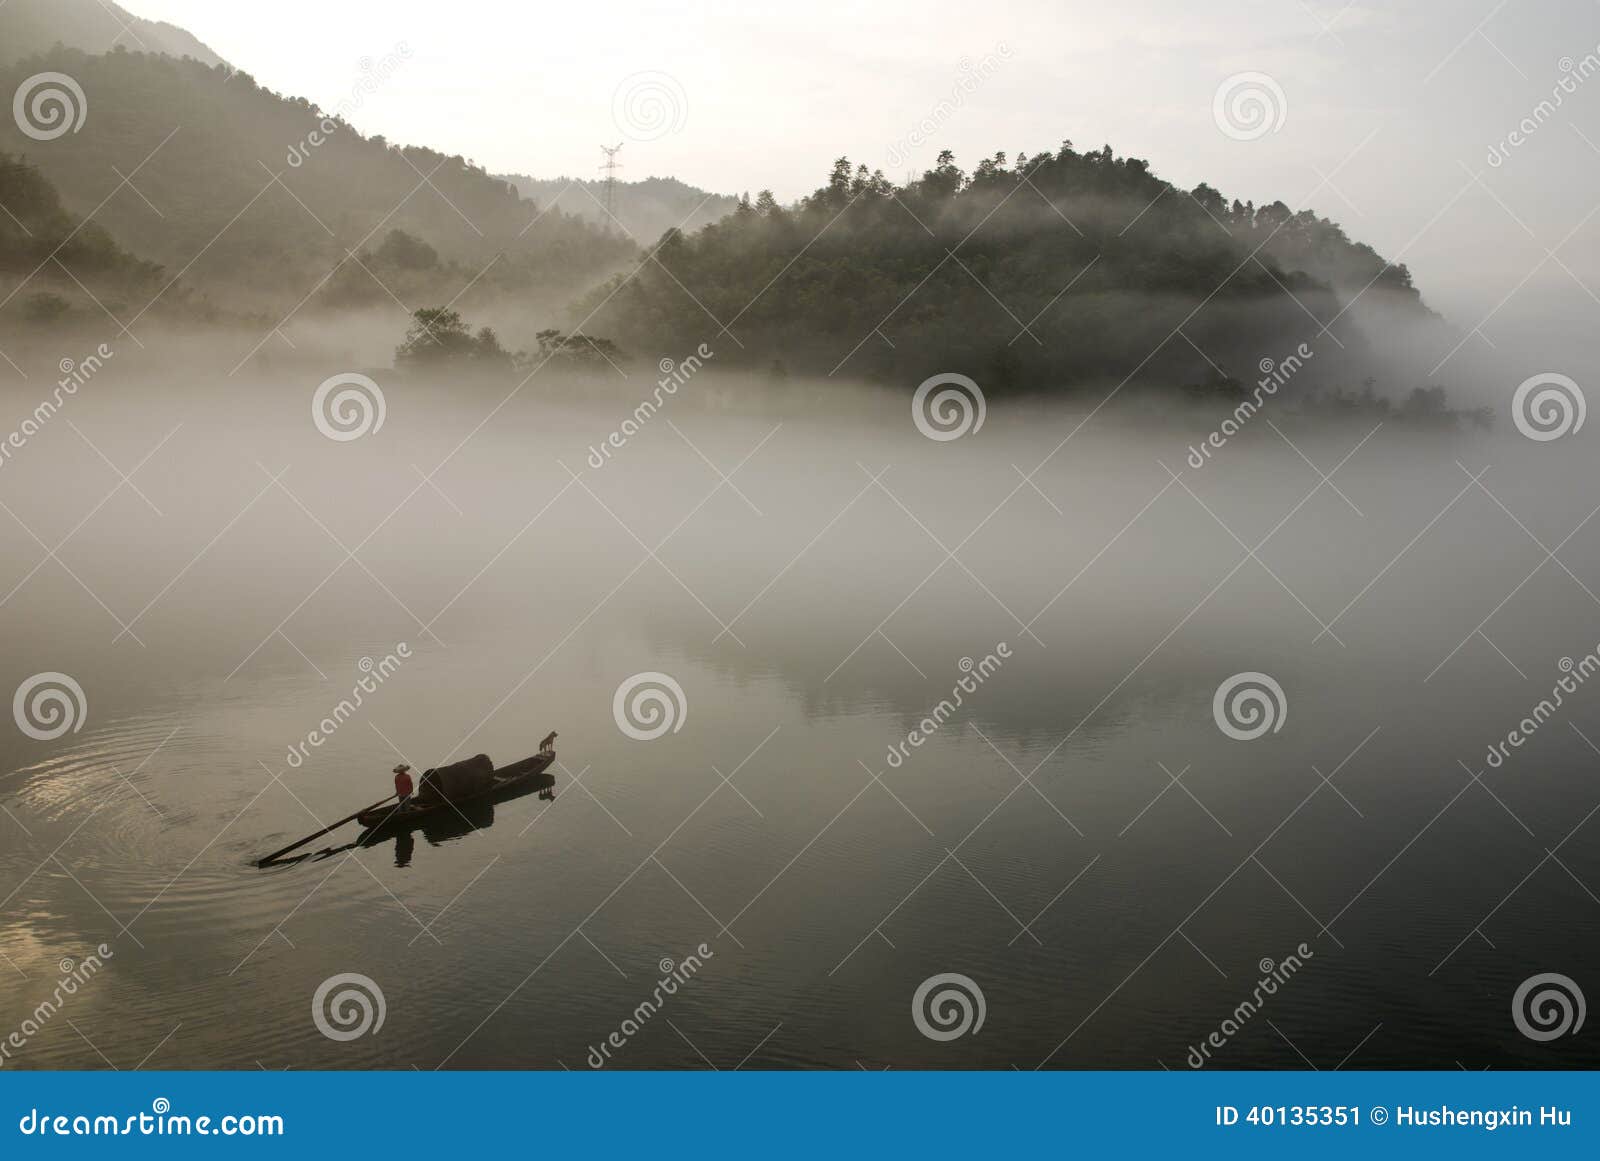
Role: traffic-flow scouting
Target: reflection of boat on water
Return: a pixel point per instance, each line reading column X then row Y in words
column 442, row 826
column 448, row 790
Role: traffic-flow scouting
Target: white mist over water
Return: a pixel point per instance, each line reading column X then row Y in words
column 814, row 605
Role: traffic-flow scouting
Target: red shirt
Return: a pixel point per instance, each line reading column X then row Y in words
column 402, row 784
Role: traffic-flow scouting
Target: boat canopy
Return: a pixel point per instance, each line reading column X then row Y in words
column 459, row 780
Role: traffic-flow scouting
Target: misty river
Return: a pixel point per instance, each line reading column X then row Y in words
column 806, row 805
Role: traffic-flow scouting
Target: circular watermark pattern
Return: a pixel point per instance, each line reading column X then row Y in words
column 666, row 965
column 161, row 1106
column 348, row 1006
column 67, row 964
column 1249, row 705
column 1548, row 1006
column 1548, row 406
column 947, row 407
column 948, row 1006
column 348, row 406
column 48, row 705
column 1248, row 106
column 648, row 106
column 648, row 705
column 1266, row 965
column 667, row 366
column 49, row 105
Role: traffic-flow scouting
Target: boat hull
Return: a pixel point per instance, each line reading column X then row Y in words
column 505, row 780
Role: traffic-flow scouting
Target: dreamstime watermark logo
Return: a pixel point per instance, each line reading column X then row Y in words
column 49, row 105
column 160, row 1121
column 1248, row 705
column 948, row 1006
column 1248, row 106
column 948, row 406
column 348, row 406
column 969, row 80
column 1576, row 673
column 673, row 376
column 648, row 705
column 1273, row 376
column 373, row 75
column 1273, row 976
column 976, row 673
column 1548, row 406
column 648, row 106
column 74, row 374
column 374, row 674
column 1548, row 1006
column 348, row 1006
column 74, row 975
column 673, row 976
column 1573, row 74
column 48, row 705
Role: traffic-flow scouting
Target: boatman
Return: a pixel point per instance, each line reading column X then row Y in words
column 402, row 783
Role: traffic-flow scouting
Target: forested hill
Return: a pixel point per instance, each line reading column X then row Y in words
column 644, row 209
column 245, row 194
column 51, row 261
column 30, row 26
column 1062, row 267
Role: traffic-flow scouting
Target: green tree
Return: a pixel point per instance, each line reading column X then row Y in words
column 586, row 351
column 439, row 337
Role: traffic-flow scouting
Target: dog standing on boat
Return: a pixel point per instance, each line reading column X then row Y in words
column 549, row 743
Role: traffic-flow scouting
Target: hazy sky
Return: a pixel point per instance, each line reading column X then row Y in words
column 1386, row 107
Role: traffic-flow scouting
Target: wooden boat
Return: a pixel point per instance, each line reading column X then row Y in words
column 505, row 780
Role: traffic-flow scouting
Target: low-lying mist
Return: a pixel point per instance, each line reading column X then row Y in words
column 811, row 567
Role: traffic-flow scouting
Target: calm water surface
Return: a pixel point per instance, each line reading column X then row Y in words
column 1079, row 838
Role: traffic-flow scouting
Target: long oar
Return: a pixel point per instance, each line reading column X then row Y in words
column 335, row 826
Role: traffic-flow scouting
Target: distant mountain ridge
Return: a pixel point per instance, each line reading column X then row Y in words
column 644, row 209
column 34, row 26
column 268, row 201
